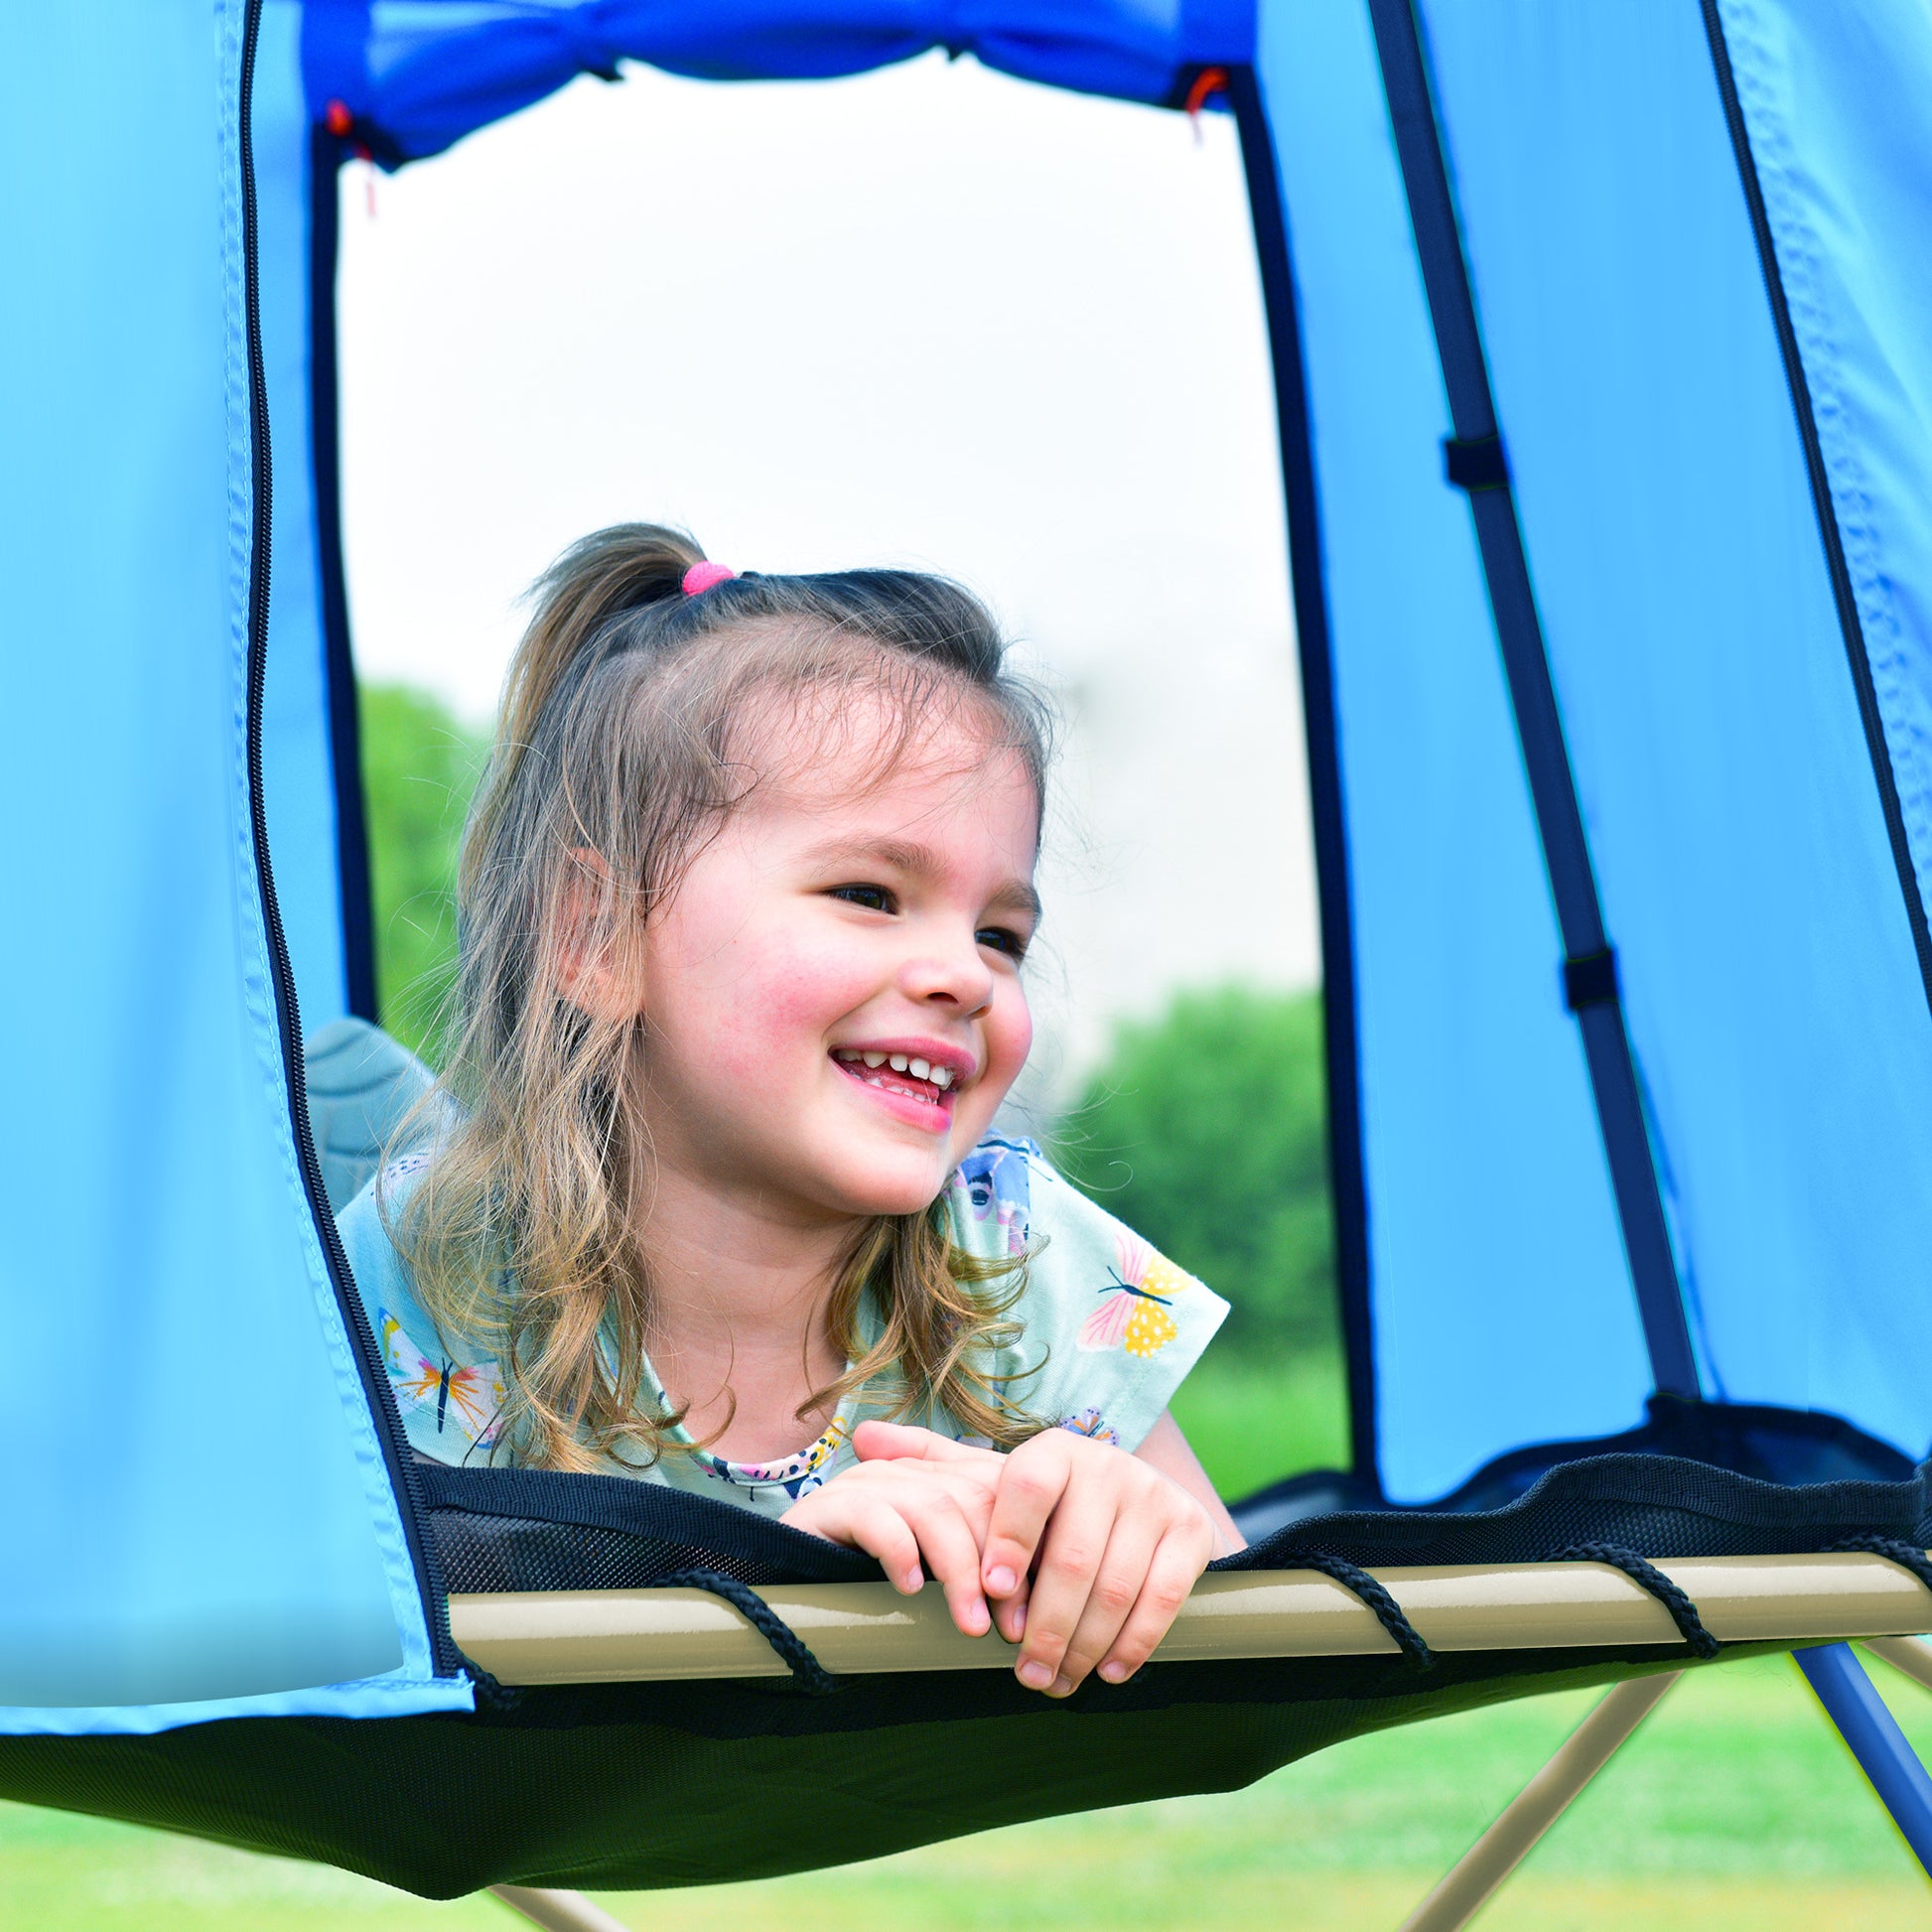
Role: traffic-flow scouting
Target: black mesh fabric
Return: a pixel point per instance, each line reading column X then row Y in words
column 653, row 1785
column 532, row 1529
column 1660, row 1505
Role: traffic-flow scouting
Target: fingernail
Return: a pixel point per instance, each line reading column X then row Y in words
column 1113, row 1671
column 1019, row 1620
column 1035, row 1675
column 1061, row 1686
column 914, row 1579
column 1002, row 1581
column 978, row 1619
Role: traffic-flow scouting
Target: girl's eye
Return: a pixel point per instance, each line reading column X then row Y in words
column 874, row 899
column 1003, row 938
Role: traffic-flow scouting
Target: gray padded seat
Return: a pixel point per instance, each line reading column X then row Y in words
column 361, row 1085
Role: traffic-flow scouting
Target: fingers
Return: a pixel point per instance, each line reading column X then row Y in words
column 1072, row 1565
column 952, row 1547
column 1010, row 1612
column 1120, row 1549
column 894, row 1440
column 1180, row 1559
column 1118, row 1583
column 915, row 1521
column 867, row 1521
column 1032, row 1484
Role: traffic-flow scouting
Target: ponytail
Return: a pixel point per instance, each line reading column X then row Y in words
column 598, row 579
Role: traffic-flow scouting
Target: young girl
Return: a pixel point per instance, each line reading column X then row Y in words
column 712, row 1198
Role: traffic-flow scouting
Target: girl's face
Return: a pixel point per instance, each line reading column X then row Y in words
column 832, row 1000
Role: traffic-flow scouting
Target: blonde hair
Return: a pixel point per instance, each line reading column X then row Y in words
column 618, row 755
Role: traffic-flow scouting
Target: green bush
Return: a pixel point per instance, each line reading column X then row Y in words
column 419, row 767
column 1206, row 1131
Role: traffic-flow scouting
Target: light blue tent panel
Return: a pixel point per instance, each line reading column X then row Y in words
column 1503, row 1310
column 1775, row 1006
column 1834, row 95
column 197, row 1518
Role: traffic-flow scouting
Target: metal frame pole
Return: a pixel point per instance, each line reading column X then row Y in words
column 1474, row 1877
column 557, row 1911
column 1872, row 1736
column 1912, row 1655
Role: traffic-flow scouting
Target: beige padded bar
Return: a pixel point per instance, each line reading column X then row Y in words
column 1468, row 1885
column 608, row 1636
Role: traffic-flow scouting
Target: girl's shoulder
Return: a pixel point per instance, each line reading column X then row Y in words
column 1109, row 1325
column 450, row 1394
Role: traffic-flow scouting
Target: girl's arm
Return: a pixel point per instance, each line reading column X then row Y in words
column 1169, row 1452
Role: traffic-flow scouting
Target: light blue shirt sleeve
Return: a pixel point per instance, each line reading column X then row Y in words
column 1110, row 1328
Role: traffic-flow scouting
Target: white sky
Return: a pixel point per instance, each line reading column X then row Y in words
column 930, row 317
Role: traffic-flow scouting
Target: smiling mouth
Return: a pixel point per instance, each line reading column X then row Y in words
column 900, row 1074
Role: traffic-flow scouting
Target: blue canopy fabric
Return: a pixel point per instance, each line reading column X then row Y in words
column 1695, row 245
column 419, row 75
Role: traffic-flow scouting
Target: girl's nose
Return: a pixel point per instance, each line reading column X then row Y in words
column 957, row 979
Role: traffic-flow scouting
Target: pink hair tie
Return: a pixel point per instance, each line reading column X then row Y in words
column 701, row 577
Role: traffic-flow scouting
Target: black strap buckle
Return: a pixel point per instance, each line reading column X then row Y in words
column 1479, row 464
column 1590, row 981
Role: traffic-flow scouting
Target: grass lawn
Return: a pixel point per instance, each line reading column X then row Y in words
column 1736, row 1807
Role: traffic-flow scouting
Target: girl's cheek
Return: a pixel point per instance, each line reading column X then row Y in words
column 1009, row 1034
column 801, row 991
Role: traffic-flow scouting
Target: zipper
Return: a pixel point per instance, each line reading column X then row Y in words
column 403, row 1480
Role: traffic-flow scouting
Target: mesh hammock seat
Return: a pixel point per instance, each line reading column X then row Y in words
column 648, row 1785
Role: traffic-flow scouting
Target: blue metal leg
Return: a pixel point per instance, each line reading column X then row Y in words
column 1871, row 1732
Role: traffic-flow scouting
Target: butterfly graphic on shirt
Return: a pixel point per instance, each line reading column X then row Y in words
column 997, row 1185
column 1132, row 1314
column 1092, row 1423
column 470, row 1394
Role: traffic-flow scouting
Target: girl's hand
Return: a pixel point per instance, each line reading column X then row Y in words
column 916, row 1497
column 1118, row 1546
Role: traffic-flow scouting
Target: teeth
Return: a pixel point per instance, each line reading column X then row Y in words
column 874, row 1060
column 844, row 1054
column 900, row 1063
column 942, row 1076
column 919, row 1069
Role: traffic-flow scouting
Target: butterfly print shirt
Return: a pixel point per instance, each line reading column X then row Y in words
column 1108, row 1330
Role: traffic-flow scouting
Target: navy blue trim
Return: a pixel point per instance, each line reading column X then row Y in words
column 384, row 1413
column 1347, row 1189
column 1842, row 597
column 1526, row 665
column 339, row 660
column 1871, row 1735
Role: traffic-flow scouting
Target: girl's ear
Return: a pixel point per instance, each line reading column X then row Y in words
column 590, row 971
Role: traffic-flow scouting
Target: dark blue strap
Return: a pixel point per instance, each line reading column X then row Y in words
column 1477, row 462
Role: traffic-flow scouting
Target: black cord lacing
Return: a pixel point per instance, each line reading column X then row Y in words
column 1907, row 1556
column 1683, row 1612
column 807, row 1672
column 1388, row 1613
